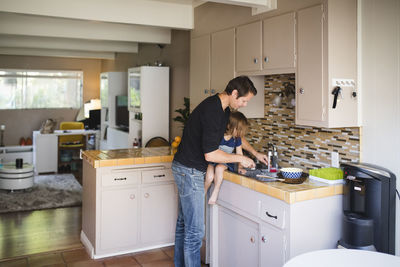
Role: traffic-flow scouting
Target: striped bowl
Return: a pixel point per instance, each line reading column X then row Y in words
column 291, row 173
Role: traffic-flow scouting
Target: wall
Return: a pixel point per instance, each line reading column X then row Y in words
column 380, row 84
column 300, row 146
column 21, row 123
column 174, row 55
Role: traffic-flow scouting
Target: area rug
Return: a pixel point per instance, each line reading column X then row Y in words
column 48, row 191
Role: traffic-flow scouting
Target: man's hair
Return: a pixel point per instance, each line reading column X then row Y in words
column 242, row 84
column 238, row 122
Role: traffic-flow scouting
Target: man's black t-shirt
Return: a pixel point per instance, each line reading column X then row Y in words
column 203, row 133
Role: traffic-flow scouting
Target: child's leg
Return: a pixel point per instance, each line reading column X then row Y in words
column 219, row 176
column 209, row 177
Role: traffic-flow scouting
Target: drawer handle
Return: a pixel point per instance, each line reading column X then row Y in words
column 159, row 176
column 252, row 239
column 132, row 196
column 120, row 179
column 146, row 195
column 272, row 216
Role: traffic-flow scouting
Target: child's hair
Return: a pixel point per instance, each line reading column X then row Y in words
column 237, row 121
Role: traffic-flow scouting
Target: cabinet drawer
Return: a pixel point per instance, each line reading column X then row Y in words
column 116, row 179
column 274, row 213
column 153, row 176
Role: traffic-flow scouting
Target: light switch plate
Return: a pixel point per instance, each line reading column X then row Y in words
column 335, row 159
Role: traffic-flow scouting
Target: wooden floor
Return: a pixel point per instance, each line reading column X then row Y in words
column 52, row 238
column 32, row 232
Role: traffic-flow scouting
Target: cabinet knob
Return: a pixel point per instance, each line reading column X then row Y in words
column 252, row 239
column 255, row 60
column 206, row 91
column 266, row 59
column 301, row 90
column 263, row 239
column 146, row 195
column 212, row 91
column 132, row 196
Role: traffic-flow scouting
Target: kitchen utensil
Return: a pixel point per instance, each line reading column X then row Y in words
column 265, row 178
column 291, row 173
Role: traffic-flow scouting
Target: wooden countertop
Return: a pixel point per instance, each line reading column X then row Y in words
column 290, row 193
column 120, row 157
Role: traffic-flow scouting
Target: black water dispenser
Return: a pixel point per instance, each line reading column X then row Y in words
column 369, row 206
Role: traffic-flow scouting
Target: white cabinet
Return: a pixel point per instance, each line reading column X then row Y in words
column 249, row 47
column 45, row 152
column 266, row 47
column 148, row 103
column 128, row 208
column 112, row 84
column 159, row 213
column 238, row 240
column 279, row 53
column 249, row 228
column 327, row 58
column 212, row 64
column 119, row 213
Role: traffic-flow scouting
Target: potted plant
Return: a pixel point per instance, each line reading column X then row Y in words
column 184, row 112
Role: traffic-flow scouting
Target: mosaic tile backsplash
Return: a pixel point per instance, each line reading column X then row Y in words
column 300, row 146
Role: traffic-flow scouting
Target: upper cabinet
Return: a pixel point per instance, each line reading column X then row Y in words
column 326, row 88
column 199, row 69
column 249, row 47
column 267, row 47
column 211, row 64
column 279, row 43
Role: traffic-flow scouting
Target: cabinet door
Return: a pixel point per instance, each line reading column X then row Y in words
column 159, row 210
column 119, row 218
column 199, row 70
column 310, row 67
column 222, row 59
column 279, row 42
column 272, row 248
column 46, row 147
column 238, row 240
column 249, row 47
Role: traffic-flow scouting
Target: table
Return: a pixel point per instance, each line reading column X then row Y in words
column 12, row 178
column 343, row 258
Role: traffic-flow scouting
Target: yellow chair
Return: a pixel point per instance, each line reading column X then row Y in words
column 71, row 140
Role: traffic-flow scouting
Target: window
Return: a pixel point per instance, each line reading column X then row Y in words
column 32, row 89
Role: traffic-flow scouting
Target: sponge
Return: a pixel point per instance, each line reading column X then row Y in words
column 327, row 173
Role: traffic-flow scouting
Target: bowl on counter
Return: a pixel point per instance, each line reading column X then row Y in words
column 291, row 173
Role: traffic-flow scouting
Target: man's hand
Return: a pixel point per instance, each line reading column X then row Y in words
column 262, row 157
column 247, row 162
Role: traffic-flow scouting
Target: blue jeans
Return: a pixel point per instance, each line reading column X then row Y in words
column 190, row 223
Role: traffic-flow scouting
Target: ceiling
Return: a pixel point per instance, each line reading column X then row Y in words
column 97, row 28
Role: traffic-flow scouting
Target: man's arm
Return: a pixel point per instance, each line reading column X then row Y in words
column 220, row 156
column 260, row 156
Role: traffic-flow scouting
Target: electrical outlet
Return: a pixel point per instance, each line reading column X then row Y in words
column 335, row 159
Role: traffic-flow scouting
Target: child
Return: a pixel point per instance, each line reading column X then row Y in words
column 235, row 130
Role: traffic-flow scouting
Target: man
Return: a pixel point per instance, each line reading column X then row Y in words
column 200, row 141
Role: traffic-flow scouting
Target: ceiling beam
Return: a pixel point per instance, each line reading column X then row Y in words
column 55, row 53
column 172, row 14
column 18, row 24
column 67, row 44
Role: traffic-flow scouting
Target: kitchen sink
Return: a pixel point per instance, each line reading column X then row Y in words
column 252, row 173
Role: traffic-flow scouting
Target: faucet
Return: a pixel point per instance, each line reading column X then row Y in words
column 272, row 157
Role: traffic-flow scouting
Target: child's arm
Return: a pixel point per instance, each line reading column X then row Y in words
column 260, row 156
column 239, row 151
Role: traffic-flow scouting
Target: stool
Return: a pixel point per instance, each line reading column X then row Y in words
column 12, row 178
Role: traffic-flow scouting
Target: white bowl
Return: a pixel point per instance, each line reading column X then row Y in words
column 291, row 173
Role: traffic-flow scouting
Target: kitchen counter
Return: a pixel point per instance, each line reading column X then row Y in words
column 132, row 156
column 290, row 193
